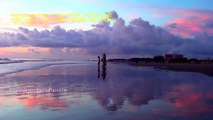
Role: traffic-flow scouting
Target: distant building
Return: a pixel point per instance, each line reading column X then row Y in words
column 174, row 58
column 177, row 56
column 168, row 57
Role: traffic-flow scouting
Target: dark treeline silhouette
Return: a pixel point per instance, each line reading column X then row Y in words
column 167, row 58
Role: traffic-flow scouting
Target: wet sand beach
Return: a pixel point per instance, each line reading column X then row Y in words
column 206, row 69
column 123, row 92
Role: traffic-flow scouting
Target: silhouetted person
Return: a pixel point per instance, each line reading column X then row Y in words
column 104, row 59
column 99, row 60
column 103, row 74
column 99, row 71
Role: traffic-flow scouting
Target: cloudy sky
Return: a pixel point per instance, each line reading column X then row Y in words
column 83, row 29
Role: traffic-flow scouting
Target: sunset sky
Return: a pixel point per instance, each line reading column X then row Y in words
column 127, row 28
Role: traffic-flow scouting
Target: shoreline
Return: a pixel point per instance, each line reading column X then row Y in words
column 36, row 68
column 206, row 69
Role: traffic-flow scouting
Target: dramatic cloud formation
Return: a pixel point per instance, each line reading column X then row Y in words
column 138, row 37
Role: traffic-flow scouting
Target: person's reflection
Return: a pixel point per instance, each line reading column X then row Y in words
column 103, row 74
column 99, row 71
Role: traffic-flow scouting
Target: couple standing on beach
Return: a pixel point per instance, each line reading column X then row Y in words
column 103, row 60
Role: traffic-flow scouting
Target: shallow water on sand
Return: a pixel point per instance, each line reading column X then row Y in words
column 117, row 92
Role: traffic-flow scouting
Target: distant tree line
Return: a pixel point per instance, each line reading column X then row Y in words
column 167, row 58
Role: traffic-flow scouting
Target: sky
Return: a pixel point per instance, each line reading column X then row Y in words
column 84, row 29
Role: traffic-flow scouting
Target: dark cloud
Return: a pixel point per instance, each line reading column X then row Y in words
column 138, row 37
column 113, row 15
column 207, row 25
column 200, row 46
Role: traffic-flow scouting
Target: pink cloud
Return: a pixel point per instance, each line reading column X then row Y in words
column 191, row 22
column 132, row 16
column 157, row 15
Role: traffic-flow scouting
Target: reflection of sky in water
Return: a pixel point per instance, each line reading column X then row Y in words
column 128, row 92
